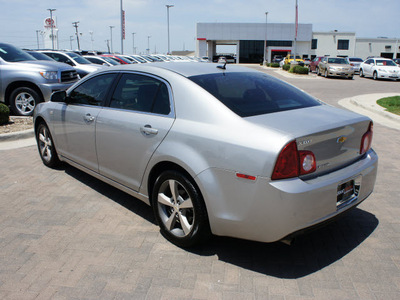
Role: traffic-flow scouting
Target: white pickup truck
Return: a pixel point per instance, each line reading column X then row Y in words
column 26, row 81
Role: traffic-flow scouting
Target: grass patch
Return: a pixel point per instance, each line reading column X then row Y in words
column 392, row 104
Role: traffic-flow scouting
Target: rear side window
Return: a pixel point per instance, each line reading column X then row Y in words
column 252, row 94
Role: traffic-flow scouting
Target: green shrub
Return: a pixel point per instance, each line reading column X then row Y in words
column 299, row 70
column 286, row 67
column 274, row 65
column 4, row 114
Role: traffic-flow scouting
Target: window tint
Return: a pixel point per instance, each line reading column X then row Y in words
column 141, row 93
column 337, row 60
column 13, row 54
column 58, row 57
column 92, row 91
column 251, row 94
column 343, row 45
column 355, row 59
column 78, row 58
column 314, row 44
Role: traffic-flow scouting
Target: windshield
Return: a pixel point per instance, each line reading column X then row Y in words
column 381, row 62
column 13, row 54
column 251, row 94
column 138, row 58
column 78, row 58
column 40, row 56
column 338, row 60
column 111, row 61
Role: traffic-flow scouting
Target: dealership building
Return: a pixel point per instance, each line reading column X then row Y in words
column 249, row 40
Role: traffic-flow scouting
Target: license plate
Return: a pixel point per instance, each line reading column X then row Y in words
column 345, row 191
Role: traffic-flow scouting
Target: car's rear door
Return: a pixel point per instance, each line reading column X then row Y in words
column 138, row 118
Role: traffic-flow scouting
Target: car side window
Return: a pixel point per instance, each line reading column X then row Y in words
column 141, row 93
column 92, row 91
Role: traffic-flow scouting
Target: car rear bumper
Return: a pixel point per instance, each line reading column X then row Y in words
column 268, row 211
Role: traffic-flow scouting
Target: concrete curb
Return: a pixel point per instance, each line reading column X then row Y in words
column 13, row 136
column 366, row 105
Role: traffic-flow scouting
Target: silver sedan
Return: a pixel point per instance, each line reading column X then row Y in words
column 214, row 149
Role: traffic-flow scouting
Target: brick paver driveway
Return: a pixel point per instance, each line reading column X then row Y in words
column 66, row 235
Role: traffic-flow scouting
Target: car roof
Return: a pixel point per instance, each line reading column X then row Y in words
column 186, row 69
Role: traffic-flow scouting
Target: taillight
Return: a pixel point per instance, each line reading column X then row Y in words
column 366, row 140
column 292, row 163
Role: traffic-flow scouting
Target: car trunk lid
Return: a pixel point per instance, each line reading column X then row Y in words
column 333, row 135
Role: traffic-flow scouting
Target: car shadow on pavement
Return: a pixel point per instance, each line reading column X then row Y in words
column 131, row 203
column 309, row 253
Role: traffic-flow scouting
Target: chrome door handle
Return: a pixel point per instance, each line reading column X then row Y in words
column 88, row 118
column 147, row 130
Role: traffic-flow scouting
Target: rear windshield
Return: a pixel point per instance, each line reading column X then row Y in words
column 355, row 59
column 250, row 94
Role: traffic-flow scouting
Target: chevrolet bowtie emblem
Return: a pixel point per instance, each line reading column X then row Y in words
column 341, row 139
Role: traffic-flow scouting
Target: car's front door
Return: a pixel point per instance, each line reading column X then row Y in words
column 139, row 116
column 75, row 121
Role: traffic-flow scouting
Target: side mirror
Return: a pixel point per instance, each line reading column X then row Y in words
column 59, row 96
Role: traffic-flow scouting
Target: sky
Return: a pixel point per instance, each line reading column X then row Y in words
column 20, row 19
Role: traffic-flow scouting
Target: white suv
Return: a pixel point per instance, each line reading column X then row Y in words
column 378, row 67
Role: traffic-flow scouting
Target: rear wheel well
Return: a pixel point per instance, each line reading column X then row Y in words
column 17, row 84
column 161, row 167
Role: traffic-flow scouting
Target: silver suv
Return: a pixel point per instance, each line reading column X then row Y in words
column 26, row 81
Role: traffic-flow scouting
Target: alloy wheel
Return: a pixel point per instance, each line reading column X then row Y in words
column 175, row 208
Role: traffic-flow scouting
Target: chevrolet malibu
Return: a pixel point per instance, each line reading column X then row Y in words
column 214, row 149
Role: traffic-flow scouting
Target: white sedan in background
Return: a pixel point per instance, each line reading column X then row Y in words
column 378, row 67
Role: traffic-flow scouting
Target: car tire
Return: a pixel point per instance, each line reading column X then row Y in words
column 23, row 101
column 361, row 73
column 46, row 147
column 179, row 209
column 375, row 75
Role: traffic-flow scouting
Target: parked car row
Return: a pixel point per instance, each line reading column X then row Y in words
column 30, row 77
column 375, row 67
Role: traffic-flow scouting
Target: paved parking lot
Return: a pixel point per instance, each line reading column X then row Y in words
column 66, row 235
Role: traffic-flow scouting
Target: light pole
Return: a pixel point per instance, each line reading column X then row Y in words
column 168, row 6
column 37, row 38
column 133, row 42
column 111, row 27
column 91, row 38
column 52, row 25
column 148, row 44
column 71, row 38
column 296, row 24
column 122, row 28
column 75, row 24
column 265, row 41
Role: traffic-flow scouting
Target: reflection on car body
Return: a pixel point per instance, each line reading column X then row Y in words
column 231, row 152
